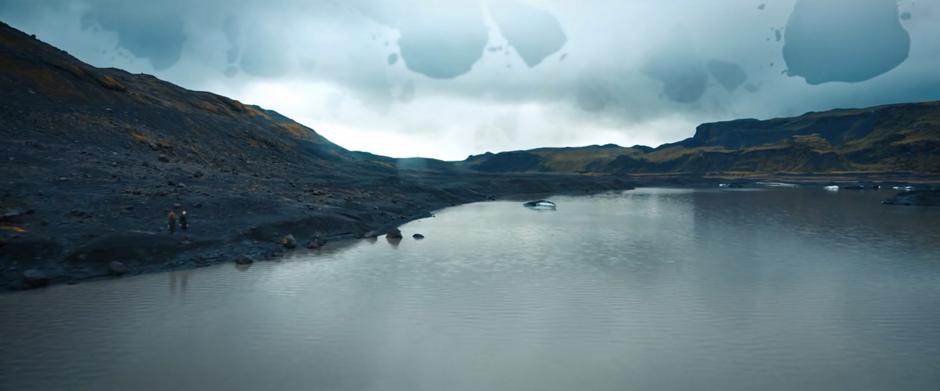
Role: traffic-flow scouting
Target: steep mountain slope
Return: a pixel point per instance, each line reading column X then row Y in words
column 94, row 159
column 53, row 97
column 903, row 138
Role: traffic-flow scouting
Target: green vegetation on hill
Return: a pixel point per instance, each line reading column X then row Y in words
column 893, row 138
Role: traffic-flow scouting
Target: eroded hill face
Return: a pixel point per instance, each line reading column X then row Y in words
column 49, row 96
column 95, row 159
column 894, row 138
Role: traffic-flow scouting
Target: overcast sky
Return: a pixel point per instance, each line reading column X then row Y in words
column 447, row 79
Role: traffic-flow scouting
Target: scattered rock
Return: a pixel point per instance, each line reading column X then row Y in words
column 117, row 268
column 198, row 174
column 315, row 243
column 915, row 198
column 13, row 213
column 162, row 158
column 289, row 242
column 418, row 236
column 36, row 278
column 244, row 260
column 393, row 233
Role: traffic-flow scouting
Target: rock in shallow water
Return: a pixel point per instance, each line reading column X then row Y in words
column 393, row 233
column 418, row 236
column 35, row 278
column 117, row 268
column 244, row 260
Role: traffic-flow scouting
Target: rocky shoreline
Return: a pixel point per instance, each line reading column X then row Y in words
column 53, row 239
column 51, row 235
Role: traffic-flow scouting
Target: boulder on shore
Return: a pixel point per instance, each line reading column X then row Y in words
column 117, row 268
column 244, row 260
column 289, row 242
column 35, row 278
column 393, row 233
column 315, row 243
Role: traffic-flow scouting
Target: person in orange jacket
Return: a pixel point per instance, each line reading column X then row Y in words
column 171, row 221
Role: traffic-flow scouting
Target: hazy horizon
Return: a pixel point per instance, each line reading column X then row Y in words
column 409, row 79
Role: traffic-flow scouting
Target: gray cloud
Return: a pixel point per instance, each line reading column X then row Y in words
column 422, row 77
column 147, row 30
column 679, row 69
column 262, row 53
column 844, row 40
column 728, row 74
column 533, row 32
column 439, row 42
column 592, row 94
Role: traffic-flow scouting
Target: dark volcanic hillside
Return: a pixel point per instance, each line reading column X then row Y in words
column 902, row 138
column 93, row 160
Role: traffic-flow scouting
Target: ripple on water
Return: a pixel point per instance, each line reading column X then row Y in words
column 653, row 288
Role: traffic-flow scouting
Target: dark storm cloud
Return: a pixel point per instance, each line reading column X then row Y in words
column 593, row 94
column 728, row 74
column 148, row 30
column 231, row 30
column 679, row 70
column 262, row 55
column 439, row 42
column 844, row 40
column 428, row 70
column 533, row 32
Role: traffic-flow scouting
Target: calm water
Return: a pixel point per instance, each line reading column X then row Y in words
column 783, row 289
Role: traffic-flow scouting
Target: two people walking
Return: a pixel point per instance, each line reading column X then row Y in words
column 172, row 220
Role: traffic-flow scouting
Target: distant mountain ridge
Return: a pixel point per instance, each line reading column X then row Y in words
column 890, row 138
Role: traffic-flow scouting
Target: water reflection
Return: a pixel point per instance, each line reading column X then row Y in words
column 179, row 281
column 776, row 289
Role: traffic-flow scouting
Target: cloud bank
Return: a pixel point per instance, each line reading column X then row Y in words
column 447, row 79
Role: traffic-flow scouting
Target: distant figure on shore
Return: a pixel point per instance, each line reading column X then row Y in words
column 184, row 222
column 171, row 221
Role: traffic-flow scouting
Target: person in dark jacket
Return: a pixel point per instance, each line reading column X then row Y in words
column 171, row 221
column 184, row 221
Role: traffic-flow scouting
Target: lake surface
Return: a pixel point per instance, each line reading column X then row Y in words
column 776, row 289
